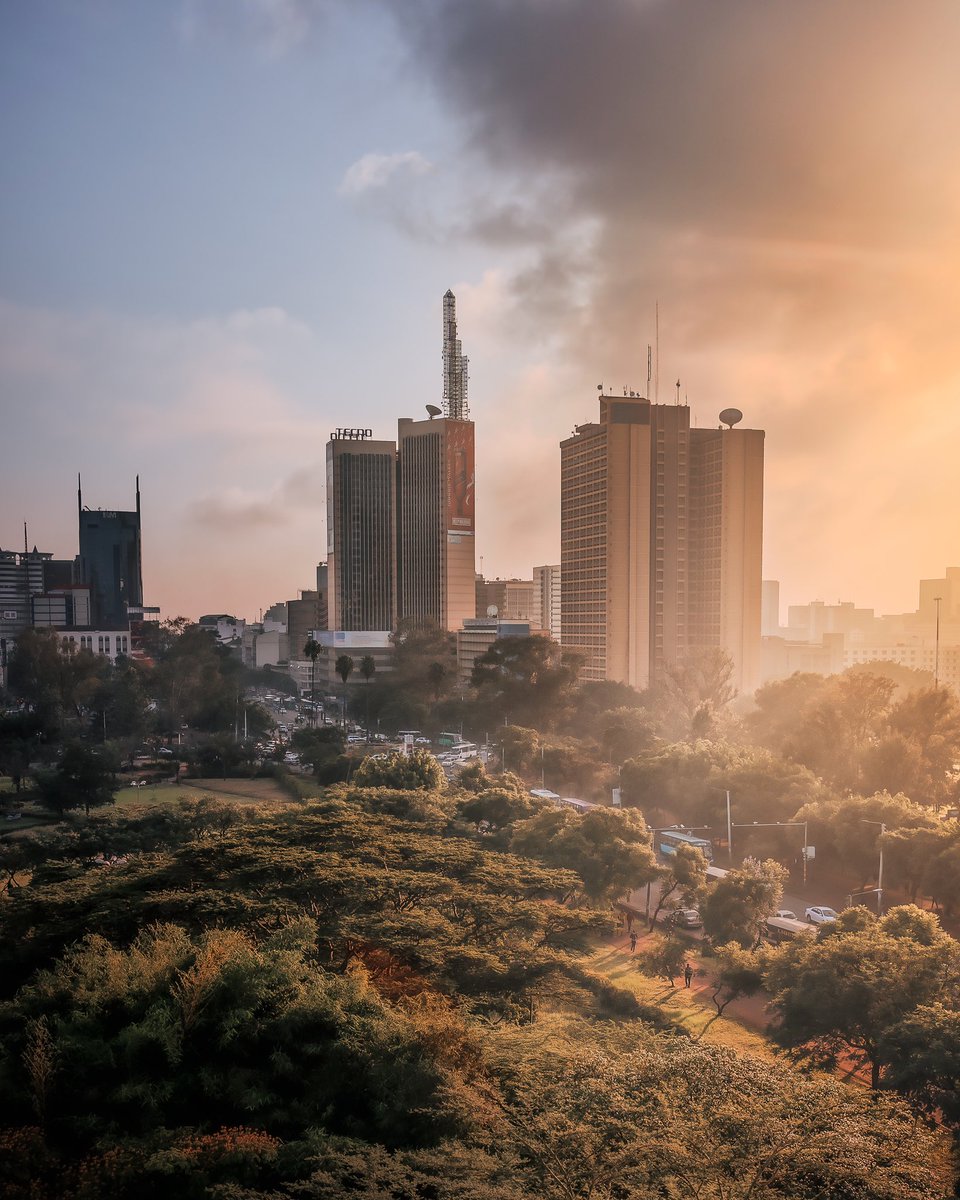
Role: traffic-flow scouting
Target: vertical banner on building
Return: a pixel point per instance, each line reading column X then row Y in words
column 460, row 476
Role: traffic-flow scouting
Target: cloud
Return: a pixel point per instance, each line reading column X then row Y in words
column 375, row 171
column 277, row 26
column 240, row 511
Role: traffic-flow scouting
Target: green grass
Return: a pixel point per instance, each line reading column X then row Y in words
column 234, row 791
column 681, row 1006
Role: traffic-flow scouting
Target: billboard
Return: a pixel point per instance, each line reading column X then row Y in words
column 460, row 476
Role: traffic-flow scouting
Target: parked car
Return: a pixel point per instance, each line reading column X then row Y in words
column 685, row 918
column 821, row 915
column 786, row 913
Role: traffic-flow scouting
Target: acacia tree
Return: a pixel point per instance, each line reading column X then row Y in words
column 848, row 993
column 686, row 877
column 735, row 909
column 609, row 848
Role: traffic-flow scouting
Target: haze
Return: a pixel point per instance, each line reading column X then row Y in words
column 225, row 229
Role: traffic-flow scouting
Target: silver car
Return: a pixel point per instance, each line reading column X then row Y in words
column 821, row 915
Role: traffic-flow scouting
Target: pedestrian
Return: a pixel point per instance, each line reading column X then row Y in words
column 687, row 974
column 633, row 941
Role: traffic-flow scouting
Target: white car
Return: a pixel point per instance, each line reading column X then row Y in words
column 821, row 915
column 786, row 913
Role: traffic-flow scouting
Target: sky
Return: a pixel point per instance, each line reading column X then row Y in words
column 226, row 227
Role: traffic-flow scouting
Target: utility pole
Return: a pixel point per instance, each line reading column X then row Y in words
column 729, row 830
column 883, row 830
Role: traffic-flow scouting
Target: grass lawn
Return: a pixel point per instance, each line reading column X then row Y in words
column 690, row 1008
column 237, row 791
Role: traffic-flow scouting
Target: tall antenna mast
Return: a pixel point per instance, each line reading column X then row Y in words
column 656, row 378
column 455, row 364
column 649, row 368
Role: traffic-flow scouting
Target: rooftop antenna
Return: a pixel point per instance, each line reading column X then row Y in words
column 656, row 377
column 678, row 393
column 649, row 367
column 25, row 537
column 455, row 363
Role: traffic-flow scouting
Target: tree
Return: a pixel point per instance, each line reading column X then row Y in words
column 739, row 973
column 835, row 732
column 694, row 692
column 368, row 668
column 495, row 808
column 736, row 907
column 845, row 995
column 84, row 778
column 20, row 735
column 417, row 770
column 665, row 958
column 312, row 650
column 609, row 848
column 685, row 876
column 848, row 830
column 344, row 668
column 530, row 678
column 51, row 674
column 922, row 1056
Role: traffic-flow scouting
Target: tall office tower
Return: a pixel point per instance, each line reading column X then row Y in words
column 546, row 596
column 110, row 562
column 436, row 558
column 661, row 535
column 361, row 532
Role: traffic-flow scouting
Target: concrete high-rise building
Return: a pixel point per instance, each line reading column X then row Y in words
column 546, row 595
column 435, row 526
column 110, row 562
column 436, row 555
column 661, row 538
column 770, row 608
column 361, row 532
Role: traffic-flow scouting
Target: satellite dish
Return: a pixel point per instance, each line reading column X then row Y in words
column 433, row 411
column 731, row 416
column 492, row 610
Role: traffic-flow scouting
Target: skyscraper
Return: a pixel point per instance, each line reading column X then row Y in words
column 661, row 536
column 435, row 499
column 361, row 532
column 110, row 562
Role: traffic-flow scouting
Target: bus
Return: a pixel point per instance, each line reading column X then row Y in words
column 580, row 806
column 715, row 874
column 670, row 839
column 782, row 929
column 449, row 740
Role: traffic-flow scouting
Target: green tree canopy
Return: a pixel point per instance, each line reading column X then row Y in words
column 735, row 908
column 417, row 770
column 609, row 848
column 847, row 993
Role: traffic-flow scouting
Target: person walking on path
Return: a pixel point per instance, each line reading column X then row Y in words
column 687, row 974
column 633, row 941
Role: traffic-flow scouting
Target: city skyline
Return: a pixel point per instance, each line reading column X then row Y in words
column 226, row 233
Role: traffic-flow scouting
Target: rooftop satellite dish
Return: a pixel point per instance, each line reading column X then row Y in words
column 492, row 610
column 731, row 416
column 433, row 411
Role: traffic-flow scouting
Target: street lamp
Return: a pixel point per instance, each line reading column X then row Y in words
column 786, row 825
column 883, row 830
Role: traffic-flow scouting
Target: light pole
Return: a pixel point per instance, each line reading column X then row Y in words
column 883, row 830
column 936, row 651
column 784, row 824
